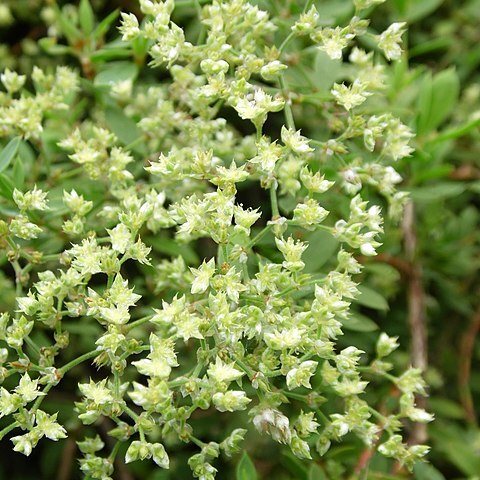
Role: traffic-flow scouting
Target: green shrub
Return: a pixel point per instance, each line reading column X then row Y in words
column 187, row 207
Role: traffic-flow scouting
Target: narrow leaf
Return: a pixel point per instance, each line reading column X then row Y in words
column 105, row 24
column 246, row 469
column 71, row 32
column 86, row 16
column 7, row 154
column 356, row 322
column 437, row 98
column 371, row 299
column 316, row 473
column 6, row 187
column 117, row 72
column 18, row 173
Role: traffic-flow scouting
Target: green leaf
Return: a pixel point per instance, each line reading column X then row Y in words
column 140, row 46
column 105, row 24
column 50, row 46
column 71, row 32
column 432, row 173
column 86, row 16
column 446, row 408
column 294, row 465
column 438, row 191
column 316, row 473
column 356, row 322
column 475, row 186
column 414, row 10
column 325, row 70
column 18, row 173
column 420, row 9
column 436, row 100
column 321, row 247
column 116, row 72
column 401, row 6
column 108, row 54
column 456, row 132
column 7, row 154
column 371, row 299
column 458, row 446
column 173, row 248
column 6, row 187
column 123, row 127
column 246, row 469
column 423, row 471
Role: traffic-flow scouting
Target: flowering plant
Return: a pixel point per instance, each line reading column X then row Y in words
column 135, row 222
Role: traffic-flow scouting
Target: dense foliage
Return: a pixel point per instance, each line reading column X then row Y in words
column 231, row 232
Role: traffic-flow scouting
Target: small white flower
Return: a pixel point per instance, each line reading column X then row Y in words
column 202, row 276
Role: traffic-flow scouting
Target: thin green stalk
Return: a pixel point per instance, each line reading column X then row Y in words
column 220, row 257
column 243, row 366
column 137, row 323
column 258, row 133
column 8, row 429
column 77, row 361
column 259, row 236
column 287, row 40
column 18, row 284
column 197, row 441
column 131, row 414
column 114, row 451
column 288, row 108
column 274, row 202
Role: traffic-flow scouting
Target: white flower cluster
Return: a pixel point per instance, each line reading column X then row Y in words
column 247, row 327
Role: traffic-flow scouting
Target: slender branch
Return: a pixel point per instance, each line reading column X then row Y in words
column 68, row 459
column 399, row 264
column 467, row 346
column 416, row 313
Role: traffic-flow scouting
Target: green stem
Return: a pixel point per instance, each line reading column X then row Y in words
column 137, row 141
column 77, row 361
column 246, row 276
column 116, row 384
column 288, row 107
column 220, row 257
column 197, row 441
column 61, row 372
column 259, row 133
column 137, row 323
column 259, row 236
column 296, row 396
column 286, row 42
column 244, row 366
column 70, row 173
column 8, row 429
column 274, row 202
column 131, row 414
column 114, row 451
column 18, row 284
column 323, row 417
